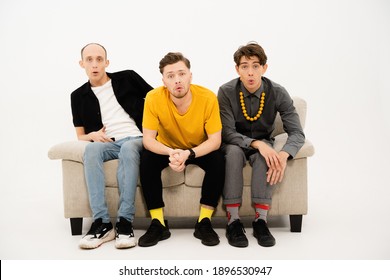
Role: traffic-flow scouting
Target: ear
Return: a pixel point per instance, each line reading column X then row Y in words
column 107, row 63
column 265, row 67
column 81, row 64
column 237, row 70
column 163, row 82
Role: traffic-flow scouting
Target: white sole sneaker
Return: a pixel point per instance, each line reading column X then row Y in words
column 90, row 242
column 124, row 241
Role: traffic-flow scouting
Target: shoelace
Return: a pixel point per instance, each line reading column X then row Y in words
column 238, row 230
column 262, row 229
column 95, row 229
column 153, row 229
column 123, row 228
column 205, row 228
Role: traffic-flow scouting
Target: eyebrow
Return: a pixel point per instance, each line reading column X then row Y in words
column 245, row 62
column 178, row 71
column 90, row 56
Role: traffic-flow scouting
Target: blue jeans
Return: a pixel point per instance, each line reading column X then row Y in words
column 128, row 151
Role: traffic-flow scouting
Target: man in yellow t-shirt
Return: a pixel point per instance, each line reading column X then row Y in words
column 181, row 125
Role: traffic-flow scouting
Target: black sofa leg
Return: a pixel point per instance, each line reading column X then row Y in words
column 76, row 225
column 296, row 223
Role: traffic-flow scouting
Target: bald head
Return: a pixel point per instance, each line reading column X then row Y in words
column 93, row 46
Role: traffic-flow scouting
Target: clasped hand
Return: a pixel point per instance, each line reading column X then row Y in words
column 100, row 136
column 276, row 163
column 177, row 159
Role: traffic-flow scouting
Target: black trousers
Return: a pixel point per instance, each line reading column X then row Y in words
column 150, row 172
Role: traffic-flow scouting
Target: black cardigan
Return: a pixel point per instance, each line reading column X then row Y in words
column 130, row 90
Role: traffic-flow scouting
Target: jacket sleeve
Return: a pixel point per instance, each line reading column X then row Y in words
column 291, row 123
column 77, row 121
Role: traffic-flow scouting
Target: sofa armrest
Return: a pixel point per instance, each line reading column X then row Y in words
column 307, row 149
column 72, row 150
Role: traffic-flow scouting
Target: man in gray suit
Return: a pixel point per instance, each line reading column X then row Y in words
column 249, row 105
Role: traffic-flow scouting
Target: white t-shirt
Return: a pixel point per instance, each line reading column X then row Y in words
column 118, row 123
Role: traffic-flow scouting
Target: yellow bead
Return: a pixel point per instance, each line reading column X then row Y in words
column 244, row 111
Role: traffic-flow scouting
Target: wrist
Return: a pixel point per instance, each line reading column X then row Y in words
column 192, row 154
column 284, row 155
column 256, row 144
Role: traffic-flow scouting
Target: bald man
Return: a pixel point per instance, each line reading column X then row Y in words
column 107, row 111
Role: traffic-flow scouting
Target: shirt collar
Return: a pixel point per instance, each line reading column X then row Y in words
column 257, row 93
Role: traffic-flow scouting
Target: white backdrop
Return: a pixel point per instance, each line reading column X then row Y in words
column 334, row 54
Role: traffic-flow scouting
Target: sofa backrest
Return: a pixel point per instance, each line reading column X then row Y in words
column 301, row 107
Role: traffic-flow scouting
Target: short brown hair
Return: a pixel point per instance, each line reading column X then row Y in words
column 82, row 50
column 172, row 58
column 251, row 49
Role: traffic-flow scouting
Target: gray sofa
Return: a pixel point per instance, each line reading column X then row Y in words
column 182, row 190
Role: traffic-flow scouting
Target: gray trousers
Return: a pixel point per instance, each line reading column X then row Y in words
column 235, row 161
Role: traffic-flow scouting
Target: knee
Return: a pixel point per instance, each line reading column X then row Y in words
column 93, row 150
column 131, row 149
column 234, row 153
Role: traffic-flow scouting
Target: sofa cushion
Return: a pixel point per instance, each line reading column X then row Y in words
column 71, row 150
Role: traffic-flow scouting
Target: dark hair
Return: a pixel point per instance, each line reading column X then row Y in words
column 251, row 49
column 82, row 50
column 172, row 58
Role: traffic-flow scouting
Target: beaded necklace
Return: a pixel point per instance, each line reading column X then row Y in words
column 244, row 111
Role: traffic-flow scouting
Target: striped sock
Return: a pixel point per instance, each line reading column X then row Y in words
column 261, row 211
column 232, row 212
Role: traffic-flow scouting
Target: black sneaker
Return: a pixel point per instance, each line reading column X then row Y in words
column 262, row 233
column 124, row 237
column 235, row 234
column 154, row 234
column 98, row 234
column 205, row 232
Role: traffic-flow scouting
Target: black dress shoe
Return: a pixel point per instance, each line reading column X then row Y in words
column 262, row 234
column 235, row 234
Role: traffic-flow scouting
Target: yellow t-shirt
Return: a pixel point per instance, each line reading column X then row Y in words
column 182, row 131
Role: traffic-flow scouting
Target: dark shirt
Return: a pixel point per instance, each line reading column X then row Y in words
column 130, row 90
column 239, row 131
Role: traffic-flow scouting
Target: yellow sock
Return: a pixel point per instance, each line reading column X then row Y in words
column 157, row 214
column 205, row 213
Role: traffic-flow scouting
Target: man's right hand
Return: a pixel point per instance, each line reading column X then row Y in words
column 100, row 136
